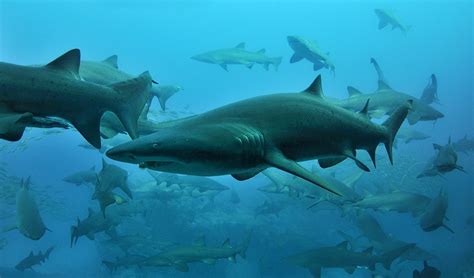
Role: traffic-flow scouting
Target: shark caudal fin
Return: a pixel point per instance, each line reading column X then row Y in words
column 392, row 124
column 133, row 95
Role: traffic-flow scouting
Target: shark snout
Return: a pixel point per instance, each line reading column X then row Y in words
column 126, row 153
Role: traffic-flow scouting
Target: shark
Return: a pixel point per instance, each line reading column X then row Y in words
column 435, row 214
column 385, row 100
column 57, row 90
column 399, row 201
column 180, row 256
column 309, row 50
column 430, row 93
column 28, row 219
column 464, row 145
column 238, row 55
column 409, row 134
column 276, row 130
column 32, row 260
column 93, row 224
column 126, row 261
column 107, row 72
column 269, row 208
column 443, row 162
column 340, row 256
column 88, row 176
column 387, row 18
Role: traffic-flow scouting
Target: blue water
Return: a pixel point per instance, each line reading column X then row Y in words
column 161, row 36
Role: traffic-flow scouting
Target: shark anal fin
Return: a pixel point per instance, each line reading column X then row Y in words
column 276, row 159
column 329, row 162
column 88, row 125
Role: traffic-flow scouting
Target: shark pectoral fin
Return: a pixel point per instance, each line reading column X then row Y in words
column 460, row 168
column 246, row 175
column 9, row 228
column 107, row 132
column 224, row 66
column 315, row 271
column 382, row 23
column 413, row 117
column 181, row 266
column 448, row 228
column 276, row 159
column 329, row 162
column 295, row 58
column 249, row 65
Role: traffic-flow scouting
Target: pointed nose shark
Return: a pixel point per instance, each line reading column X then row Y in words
column 276, row 130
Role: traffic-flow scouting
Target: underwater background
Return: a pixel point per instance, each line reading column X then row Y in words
column 161, row 37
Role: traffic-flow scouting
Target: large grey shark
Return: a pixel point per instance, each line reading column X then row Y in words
column 181, row 256
column 107, row 72
column 94, row 223
column 309, row 50
column 399, row 201
column 444, row 161
column 341, row 256
column 238, row 55
column 56, row 89
column 385, row 100
column 277, row 130
column 28, row 219
column 32, row 260
column 464, row 144
column 435, row 214
column 430, row 93
column 387, row 18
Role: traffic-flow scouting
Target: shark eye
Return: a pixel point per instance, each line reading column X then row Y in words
column 156, row 146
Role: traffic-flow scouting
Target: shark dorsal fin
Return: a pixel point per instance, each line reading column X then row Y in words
column 68, row 62
column 383, row 86
column 200, row 241
column 343, row 244
column 261, row 51
column 226, row 243
column 353, row 91
column 315, row 88
column 31, row 254
column 111, row 61
column 240, row 45
column 365, row 109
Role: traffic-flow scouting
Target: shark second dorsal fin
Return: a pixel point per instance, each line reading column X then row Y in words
column 240, row 45
column 315, row 88
column 68, row 62
column 111, row 61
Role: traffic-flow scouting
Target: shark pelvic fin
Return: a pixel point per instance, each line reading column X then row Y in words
column 69, row 63
column 315, row 88
column 246, row 175
column 111, row 61
column 276, row 159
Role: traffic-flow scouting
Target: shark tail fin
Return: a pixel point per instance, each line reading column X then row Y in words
column 133, row 95
column 276, row 62
column 392, row 124
column 244, row 246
